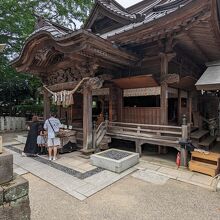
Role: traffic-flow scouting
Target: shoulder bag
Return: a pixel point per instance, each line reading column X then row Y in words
column 57, row 134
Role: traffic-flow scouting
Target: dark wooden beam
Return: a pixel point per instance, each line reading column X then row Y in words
column 46, row 96
column 87, row 118
column 164, row 89
column 179, row 107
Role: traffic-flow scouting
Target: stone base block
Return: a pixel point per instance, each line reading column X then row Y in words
column 15, row 189
column 18, row 209
column 115, row 160
column 6, row 167
column 87, row 151
column 14, row 200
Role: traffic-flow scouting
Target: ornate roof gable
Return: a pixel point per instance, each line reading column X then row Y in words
column 54, row 29
column 112, row 13
column 152, row 10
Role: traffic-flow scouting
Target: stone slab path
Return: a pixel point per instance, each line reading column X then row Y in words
column 77, row 177
column 150, row 172
column 80, row 185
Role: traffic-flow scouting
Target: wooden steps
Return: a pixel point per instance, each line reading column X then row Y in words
column 202, row 139
column 104, row 143
column 198, row 135
column 205, row 163
column 208, row 142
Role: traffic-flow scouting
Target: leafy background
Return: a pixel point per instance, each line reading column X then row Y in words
column 20, row 93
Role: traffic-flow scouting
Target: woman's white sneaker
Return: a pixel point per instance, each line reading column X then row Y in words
column 50, row 158
column 23, row 154
column 54, row 158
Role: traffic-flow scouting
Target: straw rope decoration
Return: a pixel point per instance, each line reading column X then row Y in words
column 65, row 97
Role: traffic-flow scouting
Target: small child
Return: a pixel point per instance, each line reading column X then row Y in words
column 42, row 141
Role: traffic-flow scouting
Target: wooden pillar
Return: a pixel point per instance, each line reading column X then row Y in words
column 46, row 104
column 110, row 114
column 164, row 89
column 119, row 105
column 113, row 105
column 179, row 107
column 138, row 147
column 183, row 150
column 87, row 118
column 190, row 107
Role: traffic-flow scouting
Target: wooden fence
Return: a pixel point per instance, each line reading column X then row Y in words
column 12, row 123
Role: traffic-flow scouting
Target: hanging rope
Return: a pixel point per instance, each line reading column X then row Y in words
column 72, row 91
column 65, row 97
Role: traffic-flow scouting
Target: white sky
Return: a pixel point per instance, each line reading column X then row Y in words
column 127, row 3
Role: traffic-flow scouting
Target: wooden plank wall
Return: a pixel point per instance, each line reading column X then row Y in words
column 142, row 115
column 114, row 103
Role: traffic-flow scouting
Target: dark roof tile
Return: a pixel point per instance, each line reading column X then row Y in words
column 114, row 7
column 152, row 12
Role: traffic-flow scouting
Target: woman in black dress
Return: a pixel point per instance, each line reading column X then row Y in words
column 31, row 147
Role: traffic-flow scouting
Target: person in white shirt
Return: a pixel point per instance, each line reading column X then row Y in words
column 52, row 126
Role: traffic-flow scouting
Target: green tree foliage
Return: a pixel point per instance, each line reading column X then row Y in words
column 17, row 21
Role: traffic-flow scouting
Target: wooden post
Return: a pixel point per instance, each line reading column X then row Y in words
column 94, row 135
column 164, row 89
column 179, row 107
column 138, row 147
column 111, row 103
column 184, row 152
column 115, row 103
column 120, row 105
column 87, row 118
column 46, row 104
column 190, row 107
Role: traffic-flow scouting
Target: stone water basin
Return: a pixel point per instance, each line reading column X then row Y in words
column 115, row 160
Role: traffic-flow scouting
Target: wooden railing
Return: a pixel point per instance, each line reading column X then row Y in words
column 99, row 133
column 147, row 130
column 163, row 135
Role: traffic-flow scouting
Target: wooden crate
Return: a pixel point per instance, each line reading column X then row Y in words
column 205, row 163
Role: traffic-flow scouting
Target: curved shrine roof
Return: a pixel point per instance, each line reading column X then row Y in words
column 116, row 8
column 151, row 10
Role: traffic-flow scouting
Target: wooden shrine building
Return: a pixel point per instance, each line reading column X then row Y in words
column 148, row 58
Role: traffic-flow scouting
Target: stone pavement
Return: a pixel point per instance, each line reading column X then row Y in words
column 77, row 177
column 70, row 173
column 152, row 172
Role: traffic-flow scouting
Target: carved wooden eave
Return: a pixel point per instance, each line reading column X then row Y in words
column 160, row 23
column 193, row 25
column 43, row 49
column 106, row 7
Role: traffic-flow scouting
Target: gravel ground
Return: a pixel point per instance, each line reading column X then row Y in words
column 129, row 199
